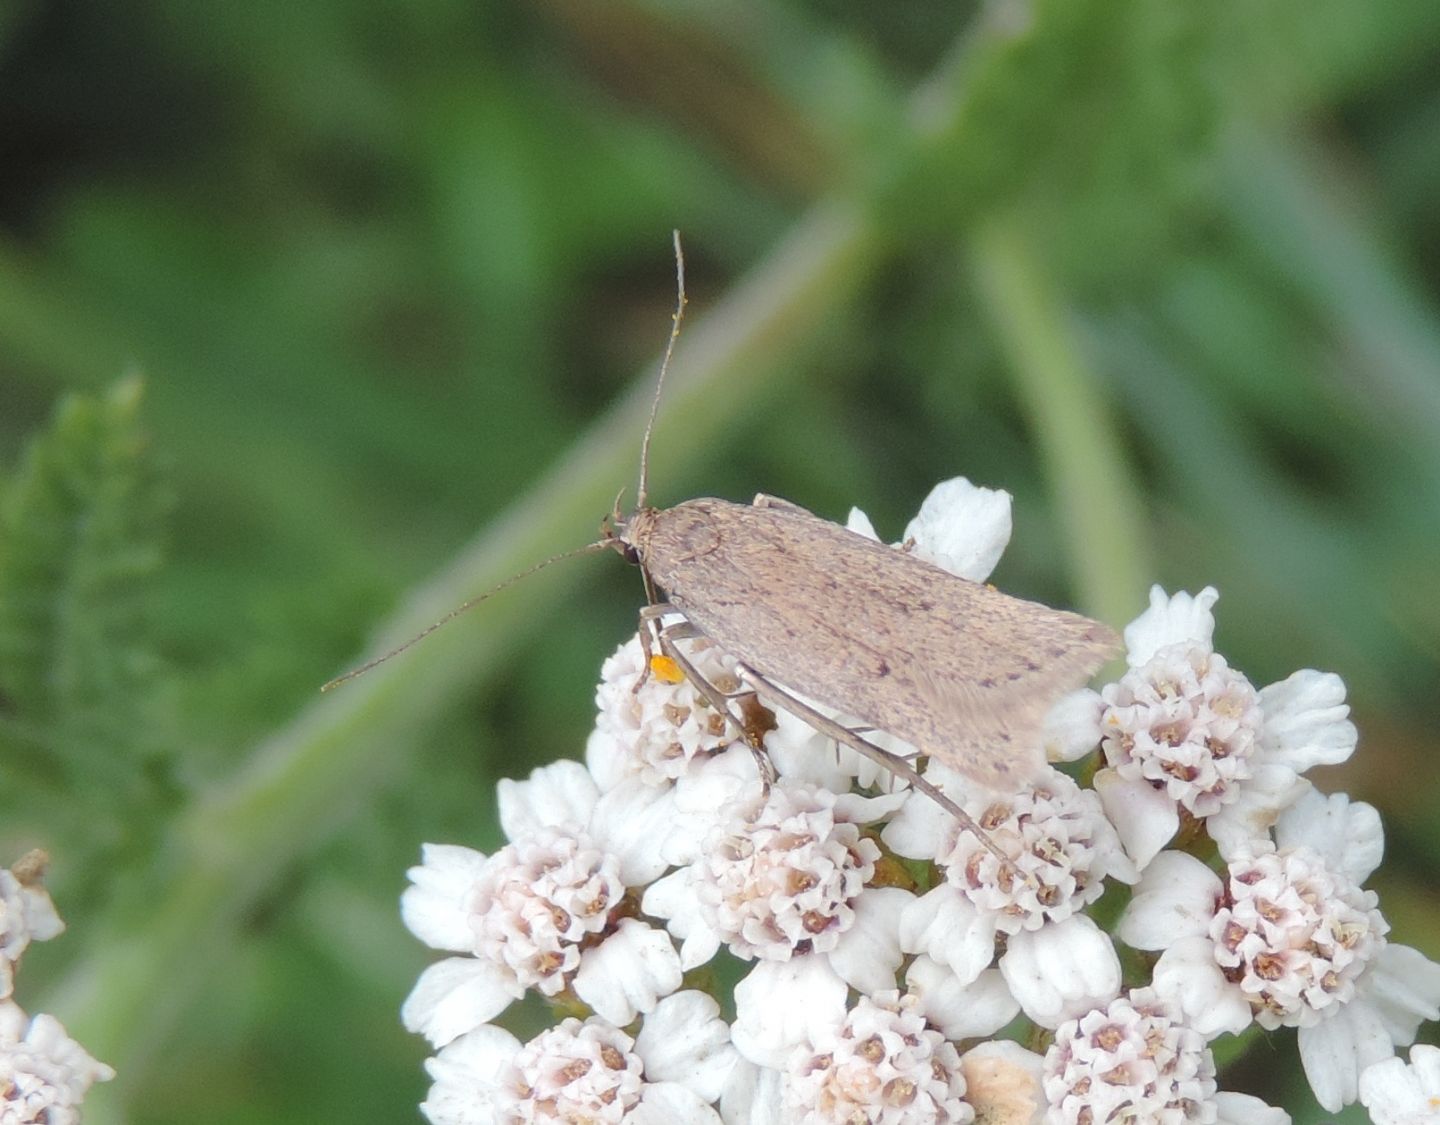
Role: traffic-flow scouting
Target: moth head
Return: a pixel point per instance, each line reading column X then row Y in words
column 625, row 533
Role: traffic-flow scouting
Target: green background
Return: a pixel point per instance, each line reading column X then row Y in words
column 363, row 301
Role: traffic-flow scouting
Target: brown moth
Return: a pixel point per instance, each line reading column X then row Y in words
column 959, row 670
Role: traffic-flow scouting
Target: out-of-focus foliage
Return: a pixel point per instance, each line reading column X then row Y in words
column 380, row 267
column 83, row 723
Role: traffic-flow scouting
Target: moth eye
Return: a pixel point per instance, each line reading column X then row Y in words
column 630, row 555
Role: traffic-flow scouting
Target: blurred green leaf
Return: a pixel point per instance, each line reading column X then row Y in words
column 1088, row 119
column 84, row 701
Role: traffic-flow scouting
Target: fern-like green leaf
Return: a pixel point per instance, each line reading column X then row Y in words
column 81, row 693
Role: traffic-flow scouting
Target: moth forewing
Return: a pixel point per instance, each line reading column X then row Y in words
column 959, row 670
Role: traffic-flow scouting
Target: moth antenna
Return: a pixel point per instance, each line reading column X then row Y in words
column 643, row 492
column 589, row 548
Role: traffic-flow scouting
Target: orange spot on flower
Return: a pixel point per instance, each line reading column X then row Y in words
column 665, row 670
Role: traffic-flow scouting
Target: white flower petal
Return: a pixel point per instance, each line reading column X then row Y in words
column 1174, row 899
column 701, row 795
column 1335, row 1051
column 684, row 1040
column 628, row 972
column 631, row 822
column 1188, row 976
column 860, row 809
column 673, row 899
column 13, row 1022
column 1397, row 1094
column 962, row 528
column 1243, row 1109
column 669, row 1103
column 1307, row 721
column 561, row 793
column 44, row 1074
column 783, row 1003
column 867, row 955
column 918, row 830
column 466, row 1075
column 1270, row 790
column 946, row 926
column 860, row 524
column 606, row 759
column 869, row 774
column 961, row 1011
column 1177, row 619
column 1145, row 818
column 1403, row 986
column 436, row 906
column 457, row 995
column 26, row 905
column 754, row 1095
column 800, row 753
column 1072, row 726
column 1062, row 970
column 1347, row 834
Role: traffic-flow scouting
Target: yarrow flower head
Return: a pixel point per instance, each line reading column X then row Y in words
column 26, row 914
column 652, row 721
column 1133, row 1060
column 1184, row 734
column 1129, row 1060
column 588, row 1070
column 1060, row 848
column 1286, row 937
column 550, row 911
column 534, row 903
column 882, row 1064
column 1294, row 935
column 879, row 933
column 783, row 878
column 574, row 1072
column 1185, row 721
column 44, row 1074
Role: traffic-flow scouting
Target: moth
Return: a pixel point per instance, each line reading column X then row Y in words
column 961, row 671
column 818, row 614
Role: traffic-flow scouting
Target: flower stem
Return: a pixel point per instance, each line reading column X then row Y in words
column 1098, row 502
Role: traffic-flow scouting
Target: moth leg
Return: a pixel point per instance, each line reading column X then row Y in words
column 753, row 735
column 867, row 732
column 682, row 630
column 765, row 500
column 650, row 617
column 652, row 627
column 656, row 610
column 772, row 695
column 685, row 630
column 910, row 757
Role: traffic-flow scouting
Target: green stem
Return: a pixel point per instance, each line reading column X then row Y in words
column 1098, row 504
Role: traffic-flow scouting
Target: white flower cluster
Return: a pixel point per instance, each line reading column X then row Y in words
column 44, row 1074
column 877, row 948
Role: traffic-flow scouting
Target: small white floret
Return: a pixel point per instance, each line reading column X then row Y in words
column 1400, row 1093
